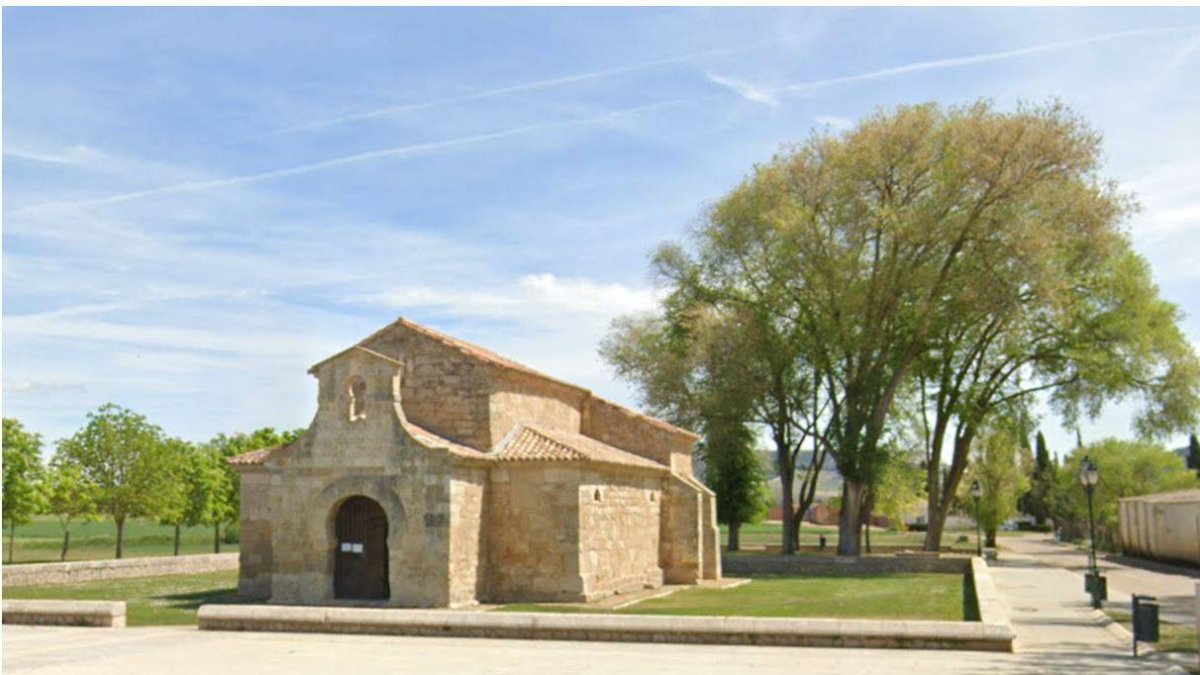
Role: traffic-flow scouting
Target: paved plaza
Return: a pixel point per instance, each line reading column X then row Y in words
column 1056, row 633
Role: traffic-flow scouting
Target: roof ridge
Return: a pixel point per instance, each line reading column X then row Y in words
column 472, row 349
column 489, row 356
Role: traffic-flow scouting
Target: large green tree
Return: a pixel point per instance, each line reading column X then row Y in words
column 715, row 370
column 217, row 497
column 69, row 497
column 127, row 459
column 998, row 467
column 22, row 469
column 1037, row 502
column 1126, row 469
column 963, row 257
column 736, row 475
column 1193, row 456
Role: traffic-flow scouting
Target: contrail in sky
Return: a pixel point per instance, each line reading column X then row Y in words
column 512, row 89
column 397, row 152
column 956, row 62
column 416, row 149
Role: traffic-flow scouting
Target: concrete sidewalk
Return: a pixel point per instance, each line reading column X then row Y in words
column 1053, row 618
column 1174, row 587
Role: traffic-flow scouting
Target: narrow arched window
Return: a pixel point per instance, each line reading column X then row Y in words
column 596, row 495
column 356, row 389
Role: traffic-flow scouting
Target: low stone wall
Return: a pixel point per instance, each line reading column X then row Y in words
column 975, row 636
column 808, row 565
column 992, row 610
column 96, row 570
column 65, row 613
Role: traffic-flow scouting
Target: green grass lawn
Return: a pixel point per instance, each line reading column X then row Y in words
column 41, row 540
column 876, row 596
column 151, row 601
column 1173, row 637
column 770, row 533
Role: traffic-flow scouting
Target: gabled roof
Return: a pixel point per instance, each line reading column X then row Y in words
column 487, row 356
column 527, row 443
column 259, row 456
column 313, row 368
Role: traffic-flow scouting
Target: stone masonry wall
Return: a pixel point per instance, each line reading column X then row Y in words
column 622, row 429
column 812, row 565
column 255, row 562
column 371, row 456
column 515, row 402
column 468, row 564
column 682, row 539
column 98, row 570
column 532, row 513
column 442, row 390
column 619, row 530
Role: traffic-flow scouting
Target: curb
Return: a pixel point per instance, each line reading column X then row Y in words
column 91, row 613
column 969, row 636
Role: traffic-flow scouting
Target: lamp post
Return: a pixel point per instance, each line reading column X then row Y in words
column 1089, row 475
column 976, row 493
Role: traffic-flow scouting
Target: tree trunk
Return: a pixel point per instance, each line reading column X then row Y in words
column 217, row 537
column 797, row 521
column 12, row 536
column 949, row 485
column 66, row 543
column 989, row 538
column 734, row 537
column 850, row 520
column 867, row 509
column 176, row 538
column 787, row 477
column 120, row 537
column 933, row 532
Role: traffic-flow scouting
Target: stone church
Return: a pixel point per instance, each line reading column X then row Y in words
column 437, row 473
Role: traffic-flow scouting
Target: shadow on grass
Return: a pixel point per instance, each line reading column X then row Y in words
column 192, row 601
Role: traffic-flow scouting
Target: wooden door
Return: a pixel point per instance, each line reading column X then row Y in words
column 360, row 569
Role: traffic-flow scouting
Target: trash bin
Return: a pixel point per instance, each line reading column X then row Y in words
column 1092, row 579
column 1145, row 620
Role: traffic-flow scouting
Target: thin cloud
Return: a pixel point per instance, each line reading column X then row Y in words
column 399, row 152
column 1180, row 57
column 511, row 89
column 746, row 90
column 542, row 297
column 961, row 61
column 425, row 148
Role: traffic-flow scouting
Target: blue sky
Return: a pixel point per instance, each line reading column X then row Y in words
column 200, row 203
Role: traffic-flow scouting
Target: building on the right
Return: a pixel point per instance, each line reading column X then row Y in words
column 1163, row 526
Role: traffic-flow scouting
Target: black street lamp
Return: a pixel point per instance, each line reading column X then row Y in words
column 1089, row 475
column 976, row 493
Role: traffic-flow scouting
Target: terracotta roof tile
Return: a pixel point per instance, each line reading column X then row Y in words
column 259, row 456
column 534, row 444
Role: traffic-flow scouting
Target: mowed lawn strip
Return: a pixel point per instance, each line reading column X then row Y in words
column 169, row 600
column 40, row 540
column 875, row 596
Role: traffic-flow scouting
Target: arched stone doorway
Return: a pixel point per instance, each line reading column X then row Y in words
column 360, row 557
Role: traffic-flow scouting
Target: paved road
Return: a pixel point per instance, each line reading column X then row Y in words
column 1175, row 587
column 178, row 651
